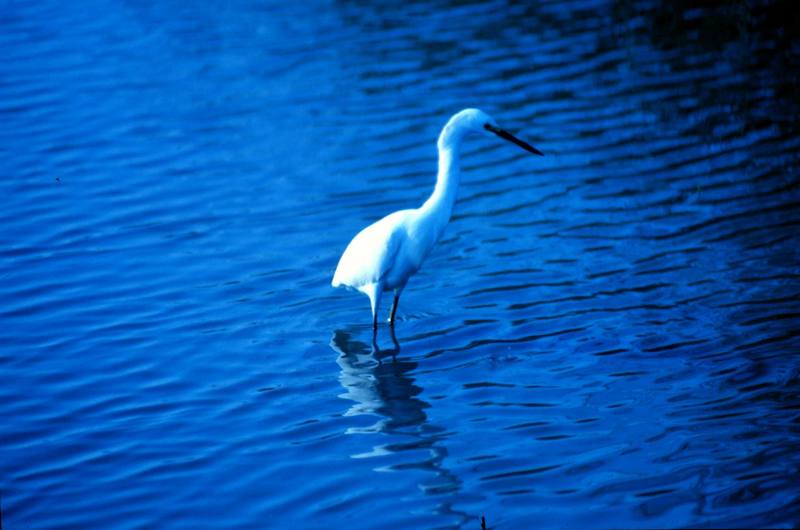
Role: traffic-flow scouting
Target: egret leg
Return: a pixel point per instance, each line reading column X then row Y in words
column 394, row 310
column 374, row 292
column 394, row 341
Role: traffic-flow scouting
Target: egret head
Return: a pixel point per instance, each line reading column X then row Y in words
column 477, row 121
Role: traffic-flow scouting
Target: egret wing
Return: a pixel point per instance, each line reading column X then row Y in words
column 371, row 254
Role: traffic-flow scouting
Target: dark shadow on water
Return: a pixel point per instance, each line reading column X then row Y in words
column 380, row 382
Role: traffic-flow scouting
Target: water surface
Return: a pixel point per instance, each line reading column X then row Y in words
column 606, row 337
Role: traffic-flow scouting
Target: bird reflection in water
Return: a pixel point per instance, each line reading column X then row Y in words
column 380, row 382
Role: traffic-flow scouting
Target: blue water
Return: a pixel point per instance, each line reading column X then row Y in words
column 606, row 337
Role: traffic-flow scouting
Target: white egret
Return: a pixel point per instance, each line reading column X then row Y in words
column 384, row 255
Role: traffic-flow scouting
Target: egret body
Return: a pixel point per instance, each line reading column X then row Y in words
column 384, row 255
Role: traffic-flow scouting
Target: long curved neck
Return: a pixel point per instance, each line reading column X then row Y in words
column 440, row 203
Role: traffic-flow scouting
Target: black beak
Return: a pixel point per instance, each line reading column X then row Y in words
column 505, row 135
